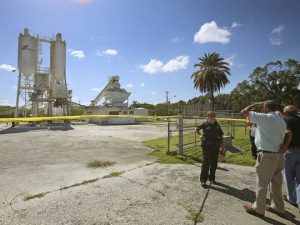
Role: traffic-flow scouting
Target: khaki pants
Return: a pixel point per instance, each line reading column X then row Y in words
column 268, row 169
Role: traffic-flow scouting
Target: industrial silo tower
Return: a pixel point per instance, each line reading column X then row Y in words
column 42, row 86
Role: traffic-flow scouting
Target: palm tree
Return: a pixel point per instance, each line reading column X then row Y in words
column 212, row 75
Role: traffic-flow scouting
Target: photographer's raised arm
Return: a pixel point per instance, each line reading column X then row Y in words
column 245, row 111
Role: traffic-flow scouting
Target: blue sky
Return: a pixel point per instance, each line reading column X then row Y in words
column 151, row 45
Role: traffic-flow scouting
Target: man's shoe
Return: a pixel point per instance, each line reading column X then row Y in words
column 252, row 211
column 270, row 209
column 292, row 203
column 203, row 184
column 213, row 182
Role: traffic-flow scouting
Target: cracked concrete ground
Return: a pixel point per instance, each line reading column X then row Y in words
column 36, row 161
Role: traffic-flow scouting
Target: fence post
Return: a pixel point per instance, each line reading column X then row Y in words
column 180, row 134
column 195, row 133
column 169, row 136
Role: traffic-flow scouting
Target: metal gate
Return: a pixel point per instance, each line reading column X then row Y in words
column 184, row 128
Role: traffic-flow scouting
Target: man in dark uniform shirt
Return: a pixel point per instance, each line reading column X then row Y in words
column 212, row 140
column 292, row 156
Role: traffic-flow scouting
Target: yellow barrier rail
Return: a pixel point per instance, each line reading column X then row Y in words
column 80, row 117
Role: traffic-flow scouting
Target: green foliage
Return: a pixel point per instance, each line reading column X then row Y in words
column 195, row 216
column 28, row 197
column 161, row 109
column 76, row 110
column 6, row 111
column 242, row 95
column 278, row 81
column 113, row 174
column 98, row 163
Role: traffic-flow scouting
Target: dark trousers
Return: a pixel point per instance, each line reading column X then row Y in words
column 210, row 153
column 253, row 147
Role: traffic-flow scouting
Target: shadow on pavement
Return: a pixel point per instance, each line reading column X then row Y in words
column 249, row 196
column 202, row 206
column 244, row 194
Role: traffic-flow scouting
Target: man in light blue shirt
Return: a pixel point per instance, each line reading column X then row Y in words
column 270, row 131
column 269, row 140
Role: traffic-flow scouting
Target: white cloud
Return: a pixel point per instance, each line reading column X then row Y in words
column 178, row 63
column 275, row 41
column 7, row 68
column 210, row 32
column 77, row 54
column 142, row 84
column 129, row 85
column 277, row 30
column 153, row 92
column 235, row 24
column 111, row 52
column 96, row 89
column 156, row 66
column 275, row 38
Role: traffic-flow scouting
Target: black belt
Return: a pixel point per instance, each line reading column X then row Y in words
column 264, row 151
column 294, row 147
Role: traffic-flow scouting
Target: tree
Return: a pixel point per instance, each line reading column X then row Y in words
column 224, row 101
column 278, row 81
column 242, row 95
column 212, row 74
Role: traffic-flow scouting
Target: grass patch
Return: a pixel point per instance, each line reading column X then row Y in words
column 194, row 154
column 98, row 163
column 79, row 184
column 28, row 197
column 113, row 174
column 195, row 216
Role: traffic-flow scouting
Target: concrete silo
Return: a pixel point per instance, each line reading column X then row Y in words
column 27, row 54
column 42, row 85
column 58, row 58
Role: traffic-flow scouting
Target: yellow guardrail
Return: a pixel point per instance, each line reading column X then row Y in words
column 79, row 117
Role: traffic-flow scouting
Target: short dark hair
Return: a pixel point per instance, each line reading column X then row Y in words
column 271, row 105
column 290, row 110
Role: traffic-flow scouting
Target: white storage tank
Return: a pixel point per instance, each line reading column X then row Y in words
column 58, row 58
column 27, row 53
column 116, row 96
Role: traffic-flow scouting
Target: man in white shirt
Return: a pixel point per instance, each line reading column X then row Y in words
column 269, row 140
